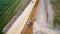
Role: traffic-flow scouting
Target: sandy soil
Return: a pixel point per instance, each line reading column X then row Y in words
column 29, row 30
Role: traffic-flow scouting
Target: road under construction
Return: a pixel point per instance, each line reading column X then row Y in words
column 35, row 19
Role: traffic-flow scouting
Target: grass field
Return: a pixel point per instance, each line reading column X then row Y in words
column 8, row 8
column 56, row 7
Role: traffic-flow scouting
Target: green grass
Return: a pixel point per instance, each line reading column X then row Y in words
column 8, row 8
column 56, row 7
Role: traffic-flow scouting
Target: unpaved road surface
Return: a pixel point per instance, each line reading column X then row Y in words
column 28, row 29
column 44, row 18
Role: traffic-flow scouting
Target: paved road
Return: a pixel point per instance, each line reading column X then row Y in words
column 44, row 18
column 15, row 17
column 18, row 25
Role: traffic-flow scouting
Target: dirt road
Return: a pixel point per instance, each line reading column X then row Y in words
column 44, row 18
column 28, row 29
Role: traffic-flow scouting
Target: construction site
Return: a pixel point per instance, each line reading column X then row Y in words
column 29, row 17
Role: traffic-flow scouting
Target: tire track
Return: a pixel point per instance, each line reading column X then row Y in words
column 44, row 18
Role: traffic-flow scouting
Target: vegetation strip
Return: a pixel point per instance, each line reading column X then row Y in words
column 11, row 8
column 56, row 7
column 15, row 17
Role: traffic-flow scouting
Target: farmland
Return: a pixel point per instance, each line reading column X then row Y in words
column 56, row 7
column 9, row 8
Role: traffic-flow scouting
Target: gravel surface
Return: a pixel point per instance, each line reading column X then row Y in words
column 44, row 19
